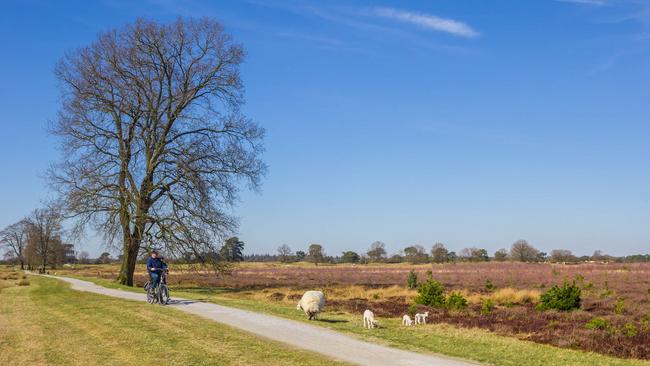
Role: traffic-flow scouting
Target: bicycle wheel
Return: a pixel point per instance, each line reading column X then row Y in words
column 151, row 295
column 164, row 294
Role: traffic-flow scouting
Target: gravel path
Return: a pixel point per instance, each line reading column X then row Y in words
column 300, row 335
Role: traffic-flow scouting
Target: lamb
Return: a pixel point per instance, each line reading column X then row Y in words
column 369, row 319
column 406, row 320
column 421, row 318
column 312, row 303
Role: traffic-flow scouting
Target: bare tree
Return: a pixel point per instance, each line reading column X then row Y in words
column 501, row 255
column 524, row 252
column 155, row 145
column 84, row 257
column 562, row 255
column 284, row 252
column 316, row 254
column 44, row 231
column 14, row 239
column 377, row 251
column 439, row 253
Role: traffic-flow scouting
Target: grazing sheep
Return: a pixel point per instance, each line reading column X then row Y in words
column 421, row 318
column 369, row 319
column 312, row 303
column 406, row 320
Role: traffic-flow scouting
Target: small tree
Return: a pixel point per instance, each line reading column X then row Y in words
column 412, row 280
column 316, row 254
column 350, row 257
column 439, row 253
column 84, row 257
column 377, row 251
column 563, row 298
column 44, row 231
column 523, row 252
column 501, row 255
column 232, row 250
column 431, row 293
column 284, row 252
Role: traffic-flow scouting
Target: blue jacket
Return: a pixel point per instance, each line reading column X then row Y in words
column 154, row 263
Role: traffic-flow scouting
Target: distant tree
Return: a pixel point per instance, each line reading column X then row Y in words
column 599, row 256
column 300, row 256
column 104, row 258
column 452, row 257
column 350, row 257
column 316, row 254
column 14, row 239
column 523, row 252
column 474, row 254
column 501, row 255
column 284, row 252
column 377, row 251
column 84, row 257
column 439, row 253
column 415, row 254
column 232, row 250
column 562, row 256
column 395, row 258
column 44, row 231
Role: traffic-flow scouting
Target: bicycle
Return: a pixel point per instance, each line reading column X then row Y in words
column 160, row 293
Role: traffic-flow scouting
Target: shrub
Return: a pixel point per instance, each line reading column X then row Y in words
column 597, row 323
column 431, row 293
column 629, row 330
column 412, row 310
column 412, row 280
column 619, row 307
column 489, row 285
column 487, row 307
column 456, row 301
column 563, row 298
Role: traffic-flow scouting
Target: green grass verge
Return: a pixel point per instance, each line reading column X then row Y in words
column 47, row 323
column 471, row 344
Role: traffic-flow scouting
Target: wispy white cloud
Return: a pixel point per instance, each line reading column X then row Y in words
column 427, row 21
column 586, row 2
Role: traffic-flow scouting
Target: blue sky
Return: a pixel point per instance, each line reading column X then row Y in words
column 472, row 123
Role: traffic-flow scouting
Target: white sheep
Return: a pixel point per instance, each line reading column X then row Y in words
column 369, row 319
column 312, row 303
column 421, row 318
column 406, row 320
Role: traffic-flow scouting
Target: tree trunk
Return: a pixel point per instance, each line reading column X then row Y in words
column 22, row 264
column 130, row 256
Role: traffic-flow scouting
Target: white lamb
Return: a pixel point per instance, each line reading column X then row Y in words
column 312, row 303
column 369, row 319
column 421, row 318
column 406, row 320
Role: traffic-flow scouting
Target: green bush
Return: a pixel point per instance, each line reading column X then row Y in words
column 488, row 306
column 489, row 285
column 412, row 280
column 563, row 298
column 456, row 301
column 619, row 307
column 431, row 293
column 597, row 323
column 629, row 330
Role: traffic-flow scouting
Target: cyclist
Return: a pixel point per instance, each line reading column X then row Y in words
column 155, row 267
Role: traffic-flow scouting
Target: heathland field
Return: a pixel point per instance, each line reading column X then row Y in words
column 612, row 325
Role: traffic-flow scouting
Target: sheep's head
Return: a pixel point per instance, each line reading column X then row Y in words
column 298, row 307
column 426, row 314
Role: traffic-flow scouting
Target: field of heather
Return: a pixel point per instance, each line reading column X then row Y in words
column 617, row 296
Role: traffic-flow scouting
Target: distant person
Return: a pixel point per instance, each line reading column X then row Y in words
column 155, row 267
